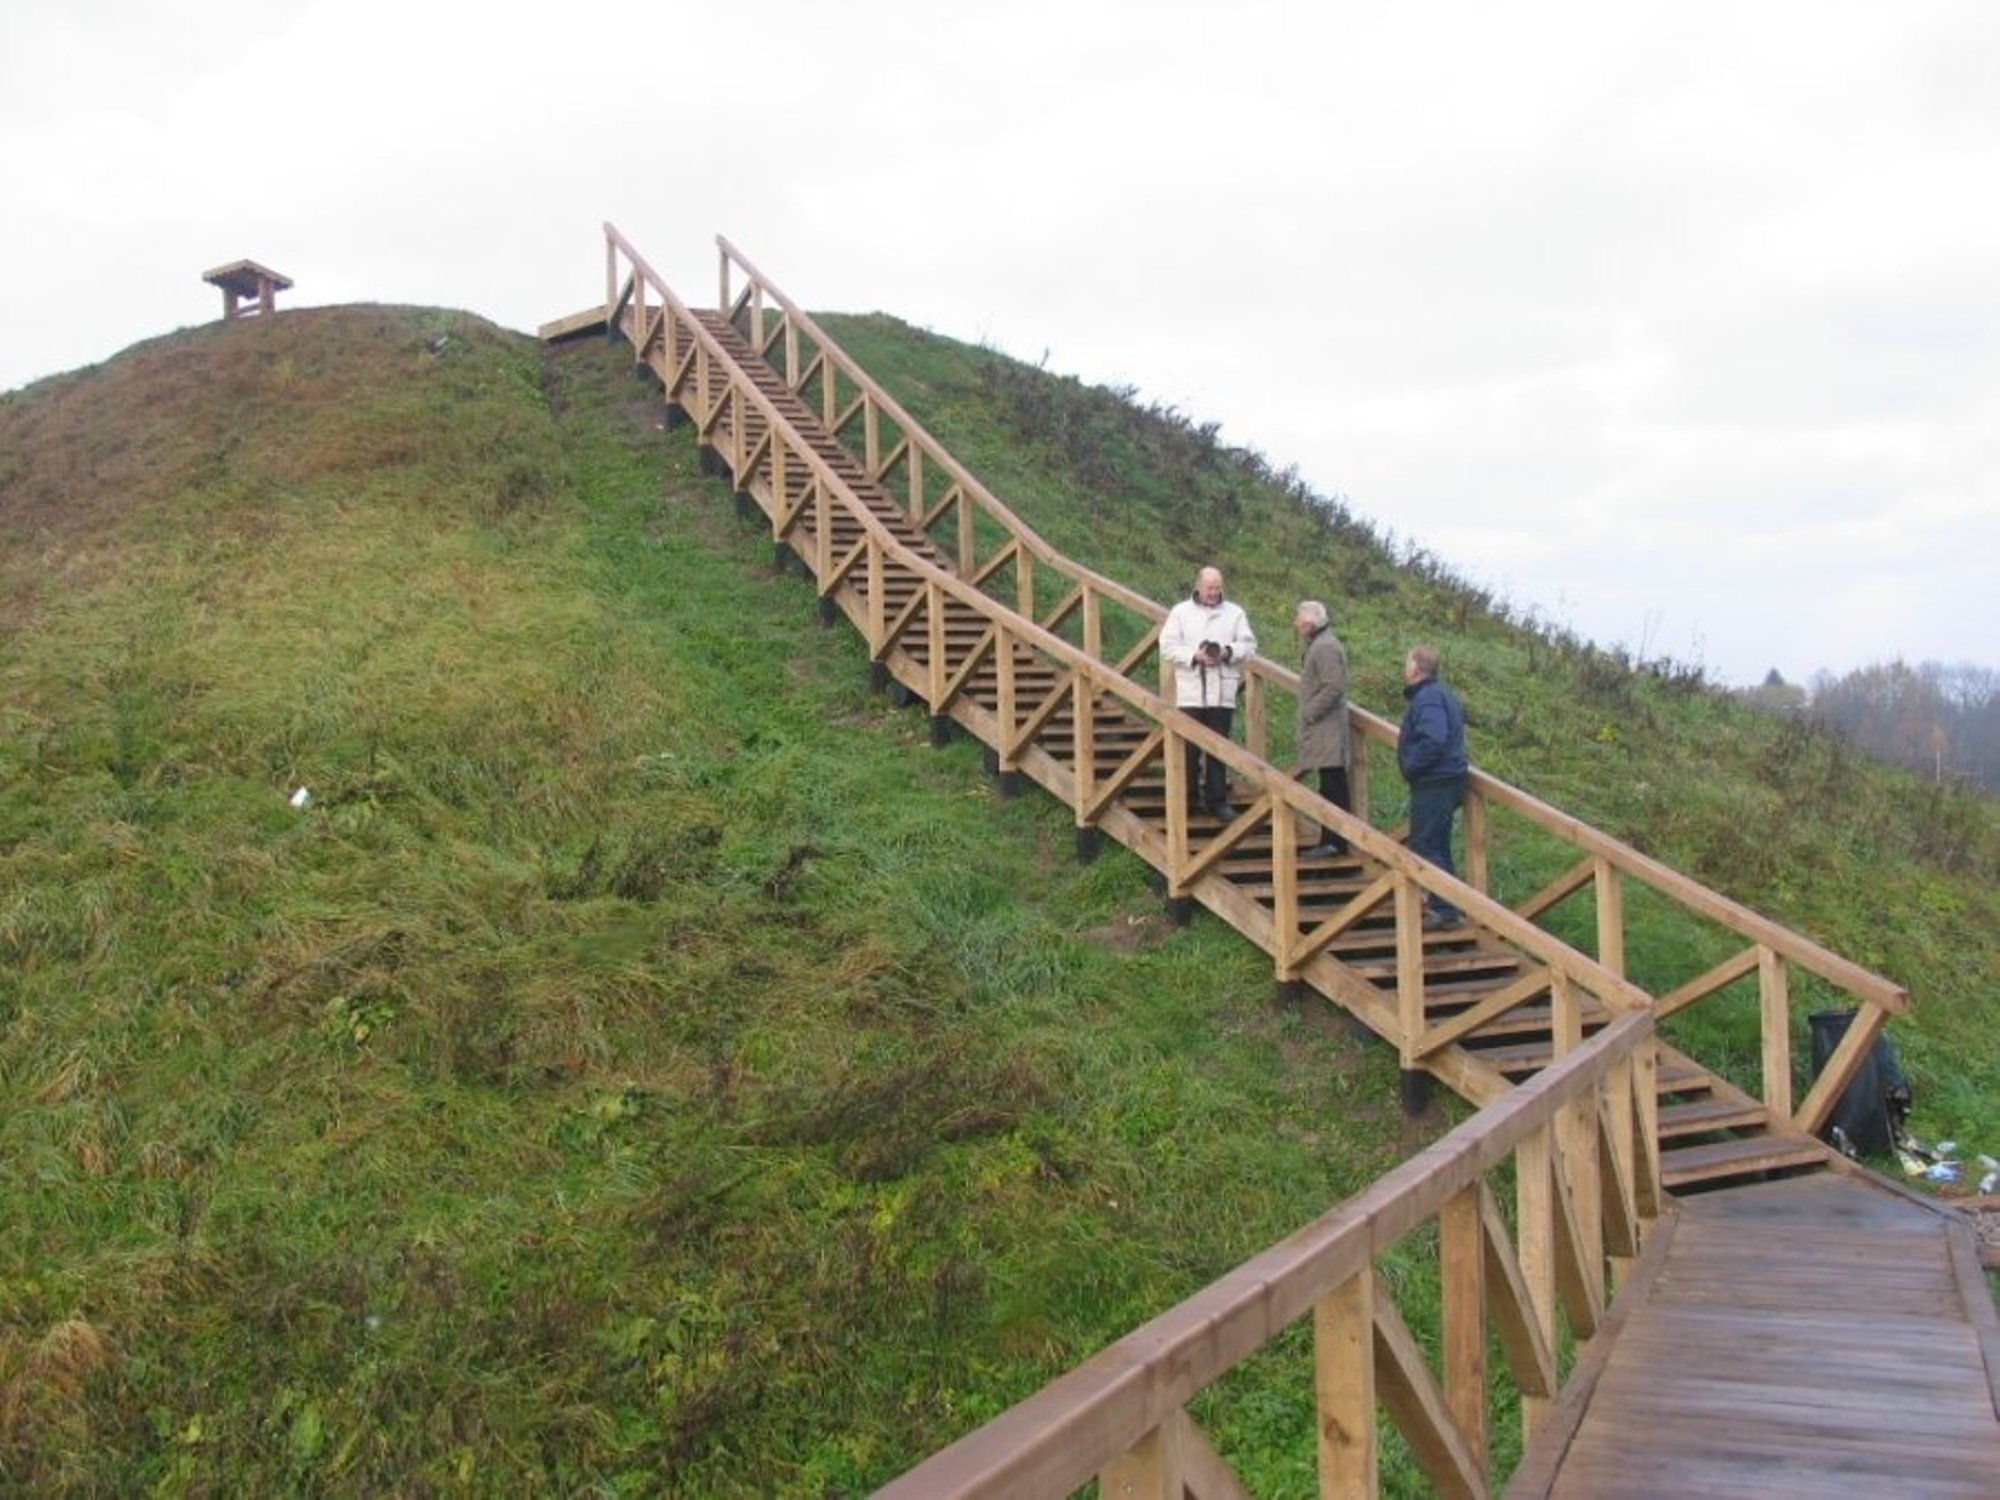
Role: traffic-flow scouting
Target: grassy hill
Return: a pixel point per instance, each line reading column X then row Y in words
column 642, row 1064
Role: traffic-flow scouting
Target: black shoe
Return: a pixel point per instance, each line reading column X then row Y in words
column 1222, row 812
column 1324, row 850
column 1435, row 920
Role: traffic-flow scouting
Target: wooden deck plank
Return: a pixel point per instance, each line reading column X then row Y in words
column 1803, row 1337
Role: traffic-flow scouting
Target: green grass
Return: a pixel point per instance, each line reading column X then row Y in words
column 645, row 1065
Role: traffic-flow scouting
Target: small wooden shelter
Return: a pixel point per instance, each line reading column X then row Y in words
column 244, row 282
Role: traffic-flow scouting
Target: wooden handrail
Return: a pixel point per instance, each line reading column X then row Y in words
column 1576, row 1223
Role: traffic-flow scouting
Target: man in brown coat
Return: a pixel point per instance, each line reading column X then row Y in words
column 1324, row 742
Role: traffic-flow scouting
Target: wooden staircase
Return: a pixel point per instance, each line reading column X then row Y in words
column 1499, row 999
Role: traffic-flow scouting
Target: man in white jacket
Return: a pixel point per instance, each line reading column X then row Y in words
column 1209, row 641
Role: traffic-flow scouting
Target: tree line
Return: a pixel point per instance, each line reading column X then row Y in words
column 1937, row 719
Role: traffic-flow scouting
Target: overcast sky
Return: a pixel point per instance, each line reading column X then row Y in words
column 1676, row 323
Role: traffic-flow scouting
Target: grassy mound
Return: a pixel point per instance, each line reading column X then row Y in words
column 641, row 1064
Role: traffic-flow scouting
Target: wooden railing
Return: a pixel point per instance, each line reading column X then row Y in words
column 895, row 448
column 994, row 549
column 1579, row 1143
column 801, row 494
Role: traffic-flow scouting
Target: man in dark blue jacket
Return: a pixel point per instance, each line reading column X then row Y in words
column 1430, row 751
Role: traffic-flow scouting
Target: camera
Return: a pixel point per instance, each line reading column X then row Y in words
column 1211, row 650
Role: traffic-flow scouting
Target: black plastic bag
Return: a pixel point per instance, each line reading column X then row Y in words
column 1868, row 1117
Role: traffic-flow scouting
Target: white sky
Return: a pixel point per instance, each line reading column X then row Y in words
column 1677, row 322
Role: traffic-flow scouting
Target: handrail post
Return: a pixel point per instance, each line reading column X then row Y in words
column 1478, row 840
column 1646, row 1122
column 1256, row 717
column 878, row 603
column 936, row 673
column 1534, row 1196
column 1462, row 1287
column 1610, row 893
column 1344, row 1384
column 1357, row 776
column 823, row 536
column 1285, row 892
column 1084, row 731
column 1154, row 1468
column 1174, row 763
column 1621, row 1136
column 1409, row 979
column 1775, row 1006
column 1006, row 703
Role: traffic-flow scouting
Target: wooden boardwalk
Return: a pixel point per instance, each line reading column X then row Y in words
column 1821, row 1336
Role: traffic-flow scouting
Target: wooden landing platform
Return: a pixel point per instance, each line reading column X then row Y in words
column 590, row 320
column 1818, row 1336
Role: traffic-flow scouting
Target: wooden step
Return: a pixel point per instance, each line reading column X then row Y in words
column 1442, row 957
column 1516, row 1060
column 1677, row 1075
column 1533, row 1018
column 1742, row 1157
column 1703, row 1116
column 1522, row 1024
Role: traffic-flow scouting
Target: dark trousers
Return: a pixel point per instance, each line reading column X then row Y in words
column 1433, row 804
column 1333, row 787
column 1207, row 777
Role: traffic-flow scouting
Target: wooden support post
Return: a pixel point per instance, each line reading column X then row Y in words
column 1610, row 892
column 1409, row 974
column 1153, row 1469
column 1774, row 993
column 1462, row 1269
column 1344, row 1381
column 1534, row 1213
column 1416, row 1091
